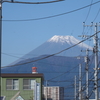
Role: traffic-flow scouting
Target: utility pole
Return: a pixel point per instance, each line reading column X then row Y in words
column 80, row 82
column 75, row 87
column 96, row 63
column 95, row 51
column 0, row 30
column 46, row 90
column 87, row 74
column 86, row 68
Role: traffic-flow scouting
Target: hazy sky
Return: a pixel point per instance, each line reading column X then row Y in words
column 27, row 26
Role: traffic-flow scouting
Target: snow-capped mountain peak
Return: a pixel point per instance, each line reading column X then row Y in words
column 61, row 39
column 70, row 40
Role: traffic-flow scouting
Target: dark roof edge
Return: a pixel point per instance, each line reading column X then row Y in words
column 9, row 75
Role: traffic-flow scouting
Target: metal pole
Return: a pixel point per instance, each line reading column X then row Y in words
column 80, row 82
column 95, row 50
column 75, row 87
column 46, row 90
column 0, row 30
column 96, row 64
column 87, row 74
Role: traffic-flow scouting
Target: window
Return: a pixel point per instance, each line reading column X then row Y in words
column 29, row 84
column 12, row 84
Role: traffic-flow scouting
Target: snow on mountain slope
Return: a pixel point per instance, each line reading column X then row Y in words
column 67, row 39
column 63, row 39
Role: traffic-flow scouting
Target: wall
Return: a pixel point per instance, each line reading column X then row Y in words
column 26, row 94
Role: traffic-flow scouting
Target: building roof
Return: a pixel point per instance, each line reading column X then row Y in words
column 22, row 75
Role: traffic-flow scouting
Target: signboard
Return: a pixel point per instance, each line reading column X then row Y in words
column 38, row 91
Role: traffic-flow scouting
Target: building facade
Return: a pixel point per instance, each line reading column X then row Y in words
column 21, row 86
column 53, row 93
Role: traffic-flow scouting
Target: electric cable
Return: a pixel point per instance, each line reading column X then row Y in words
column 63, row 73
column 54, row 53
column 88, row 11
column 12, row 56
column 32, row 2
column 97, row 15
column 91, row 93
column 85, row 84
column 89, row 83
column 57, row 14
column 28, row 59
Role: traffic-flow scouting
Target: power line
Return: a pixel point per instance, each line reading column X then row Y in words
column 54, row 53
column 97, row 15
column 60, row 66
column 63, row 73
column 60, row 81
column 88, row 11
column 32, row 2
column 30, row 59
column 57, row 14
column 12, row 56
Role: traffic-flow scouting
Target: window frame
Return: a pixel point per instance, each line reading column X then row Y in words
column 12, row 86
column 29, row 85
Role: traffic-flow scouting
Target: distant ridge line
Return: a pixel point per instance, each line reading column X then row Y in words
column 52, row 54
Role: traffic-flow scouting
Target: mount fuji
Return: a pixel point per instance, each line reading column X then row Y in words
column 57, row 44
column 54, row 45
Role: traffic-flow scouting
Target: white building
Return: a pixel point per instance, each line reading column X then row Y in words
column 53, row 93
